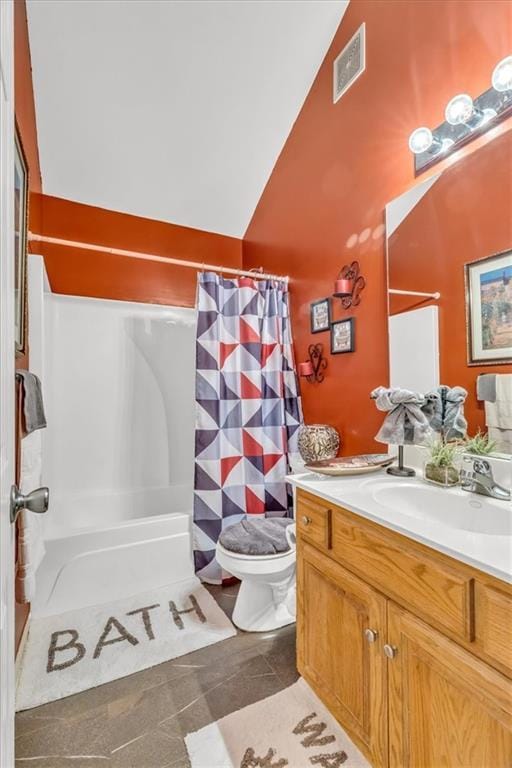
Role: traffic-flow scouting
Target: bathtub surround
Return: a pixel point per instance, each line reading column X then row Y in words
column 248, row 408
column 498, row 413
column 81, row 649
column 293, row 729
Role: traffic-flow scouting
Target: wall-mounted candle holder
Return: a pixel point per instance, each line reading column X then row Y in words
column 348, row 285
column 313, row 369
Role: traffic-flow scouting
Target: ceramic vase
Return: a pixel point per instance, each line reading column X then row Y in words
column 318, row 441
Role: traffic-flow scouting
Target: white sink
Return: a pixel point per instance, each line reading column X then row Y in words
column 452, row 507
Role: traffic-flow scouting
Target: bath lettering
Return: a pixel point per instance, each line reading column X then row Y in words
column 114, row 632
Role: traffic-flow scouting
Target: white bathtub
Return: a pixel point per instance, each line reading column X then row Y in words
column 130, row 543
column 118, row 452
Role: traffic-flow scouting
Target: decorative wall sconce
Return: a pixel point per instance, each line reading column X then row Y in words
column 465, row 119
column 313, row 369
column 348, row 285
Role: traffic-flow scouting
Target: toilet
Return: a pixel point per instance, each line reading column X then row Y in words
column 261, row 553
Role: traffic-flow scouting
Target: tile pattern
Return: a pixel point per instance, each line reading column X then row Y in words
column 140, row 721
column 248, row 408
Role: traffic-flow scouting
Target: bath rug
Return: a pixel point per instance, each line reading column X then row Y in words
column 291, row 728
column 83, row 648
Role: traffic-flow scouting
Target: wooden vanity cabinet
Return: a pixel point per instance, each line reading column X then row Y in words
column 447, row 709
column 412, row 687
column 340, row 631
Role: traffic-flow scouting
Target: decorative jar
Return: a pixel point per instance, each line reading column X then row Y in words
column 318, row 442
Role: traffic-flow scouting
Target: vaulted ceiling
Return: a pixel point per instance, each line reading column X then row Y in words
column 172, row 110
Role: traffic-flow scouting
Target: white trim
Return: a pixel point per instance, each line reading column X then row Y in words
column 7, row 356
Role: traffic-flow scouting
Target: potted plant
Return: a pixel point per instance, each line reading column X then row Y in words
column 480, row 444
column 440, row 468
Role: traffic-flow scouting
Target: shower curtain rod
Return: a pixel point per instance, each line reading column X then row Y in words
column 200, row 266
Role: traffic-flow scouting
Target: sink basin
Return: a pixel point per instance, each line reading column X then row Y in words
column 452, row 508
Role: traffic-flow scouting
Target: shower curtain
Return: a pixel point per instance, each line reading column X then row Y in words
column 248, row 408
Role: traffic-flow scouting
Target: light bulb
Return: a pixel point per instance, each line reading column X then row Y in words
column 459, row 110
column 502, row 75
column 420, row 140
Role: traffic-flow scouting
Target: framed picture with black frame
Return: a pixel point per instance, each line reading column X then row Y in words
column 342, row 336
column 320, row 315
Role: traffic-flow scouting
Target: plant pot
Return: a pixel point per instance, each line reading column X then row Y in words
column 442, row 475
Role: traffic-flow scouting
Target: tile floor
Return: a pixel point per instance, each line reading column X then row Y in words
column 140, row 721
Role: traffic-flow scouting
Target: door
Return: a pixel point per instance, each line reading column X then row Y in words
column 447, row 709
column 6, row 385
column 341, row 627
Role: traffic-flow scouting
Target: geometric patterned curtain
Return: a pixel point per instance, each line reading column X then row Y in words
column 248, row 409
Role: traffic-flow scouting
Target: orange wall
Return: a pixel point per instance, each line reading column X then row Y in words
column 461, row 219
column 324, row 203
column 102, row 275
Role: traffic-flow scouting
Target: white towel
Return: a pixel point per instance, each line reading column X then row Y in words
column 30, row 537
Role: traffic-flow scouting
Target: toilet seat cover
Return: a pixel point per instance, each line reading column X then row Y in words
column 262, row 536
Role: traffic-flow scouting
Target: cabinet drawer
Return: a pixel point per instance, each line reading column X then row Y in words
column 313, row 520
column 493, row 624
column 425, row 584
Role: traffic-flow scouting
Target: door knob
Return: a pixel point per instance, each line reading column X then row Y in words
column 371, row 635
column 306, row 520
column 390, row 651
column 35, row 501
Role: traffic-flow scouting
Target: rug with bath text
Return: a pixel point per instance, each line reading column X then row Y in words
column 291, row 728
column 83, row 648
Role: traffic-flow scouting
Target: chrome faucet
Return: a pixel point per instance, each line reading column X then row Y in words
column 479, row 479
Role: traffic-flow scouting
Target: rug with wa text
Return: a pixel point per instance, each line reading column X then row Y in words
column 291, row 728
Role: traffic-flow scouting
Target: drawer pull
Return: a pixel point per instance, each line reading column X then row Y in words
column 371, row 635
column 306, row 520
column 390, row 651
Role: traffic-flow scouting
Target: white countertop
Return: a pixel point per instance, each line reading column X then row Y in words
column 484, row 548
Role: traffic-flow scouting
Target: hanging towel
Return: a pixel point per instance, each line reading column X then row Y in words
column 498, row 415
column 33, row 408
column 405, row 423
column 444, row 409
column 30, row 526
column 486, row 387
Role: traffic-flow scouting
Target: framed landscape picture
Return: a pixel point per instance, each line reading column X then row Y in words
column 320, row 315
column 489, row 309
column 342, row 336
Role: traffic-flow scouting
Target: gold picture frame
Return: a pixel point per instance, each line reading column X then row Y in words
column 488, row 283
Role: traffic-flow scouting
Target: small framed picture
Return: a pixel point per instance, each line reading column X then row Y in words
column 342, row 336
column 320, row 315
column 489, row 309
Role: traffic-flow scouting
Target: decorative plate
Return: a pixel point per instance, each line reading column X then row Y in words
column 351, row 465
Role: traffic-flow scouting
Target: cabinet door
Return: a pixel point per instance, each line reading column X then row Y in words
column 447, row 709
column 344, row 664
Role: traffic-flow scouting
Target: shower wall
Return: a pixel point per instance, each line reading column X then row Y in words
column 119, row 389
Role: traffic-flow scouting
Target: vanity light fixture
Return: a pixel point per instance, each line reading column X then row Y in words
column 465, row 119
column 313, row 368
column 502, row 75
column 461, row 111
